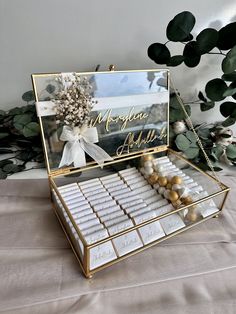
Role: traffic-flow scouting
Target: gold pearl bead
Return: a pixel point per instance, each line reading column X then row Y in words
column 191, row 215
column 176, row 180
column 177, row 204
column 162, row 181
column 153, row 178
column 173, row 196
column 169, row 186
column 187, row 200
column 147, row 157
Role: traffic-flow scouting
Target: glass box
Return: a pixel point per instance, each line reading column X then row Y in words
column 144, row 192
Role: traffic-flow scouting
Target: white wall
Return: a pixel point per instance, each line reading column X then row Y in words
column 68, row 35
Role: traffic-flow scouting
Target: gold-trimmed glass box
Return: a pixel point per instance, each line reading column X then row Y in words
column 117, row 188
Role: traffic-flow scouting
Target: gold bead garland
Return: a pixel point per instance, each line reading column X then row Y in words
column 169, row 186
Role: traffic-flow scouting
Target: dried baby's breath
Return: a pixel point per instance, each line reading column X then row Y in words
column 73, row 102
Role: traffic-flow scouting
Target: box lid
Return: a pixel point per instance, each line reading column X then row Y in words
column 129, row 115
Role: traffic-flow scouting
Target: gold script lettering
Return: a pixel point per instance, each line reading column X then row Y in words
column 108, row 119
column 130, row 141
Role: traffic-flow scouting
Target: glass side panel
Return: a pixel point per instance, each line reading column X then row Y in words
column 130, row 113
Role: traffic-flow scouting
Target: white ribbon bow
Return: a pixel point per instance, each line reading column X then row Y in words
column 81, row 141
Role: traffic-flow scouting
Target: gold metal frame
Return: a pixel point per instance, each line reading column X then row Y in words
column 53, row 174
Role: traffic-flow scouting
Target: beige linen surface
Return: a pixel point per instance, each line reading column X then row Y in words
column 194, row 272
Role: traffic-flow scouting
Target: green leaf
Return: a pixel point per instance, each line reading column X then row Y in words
column 31, row 129
column 5, row 162
column 203, row 133
column 3, row 175
column 217, row 151
column 188, row 109
column 181, row 26
column 191, row 152
column 174, row 103
column 229, row 62
column 28, row 96
column 202, row 97
column 175, row 60
column 227, row 108
column 159, row 53
column 178, row 114
column 231, row 90
column 231, row 151
column 15, row 111
column 207, row 40
column 188, row 38
column 3, row 135
column 50, row 88
column 229, row 121
column 29, row 109
column 227, row 38
column 207, row 105
column 229, row 77
column 26, row 155
column 182, row 142
column 191, row 55
column 20, row 121
column 215, row 89
column 11, row 168
column 190, row 135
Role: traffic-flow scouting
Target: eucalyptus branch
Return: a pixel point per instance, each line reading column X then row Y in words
column 208, row 41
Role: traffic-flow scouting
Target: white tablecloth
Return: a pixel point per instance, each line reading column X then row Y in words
column 194, row 272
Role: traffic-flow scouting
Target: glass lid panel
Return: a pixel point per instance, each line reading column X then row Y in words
column 121, row 112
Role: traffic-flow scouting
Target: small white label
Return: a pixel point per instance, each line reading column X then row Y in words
column 127, row 243
column 172, row 223
column 151, row 232
column 101, row 254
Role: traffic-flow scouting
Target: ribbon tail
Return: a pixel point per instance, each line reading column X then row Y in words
column 73, row 153
column 96, row 152
column 79, row 159
column 66, row 158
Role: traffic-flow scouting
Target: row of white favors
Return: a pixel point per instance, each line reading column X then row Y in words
column 105, row 206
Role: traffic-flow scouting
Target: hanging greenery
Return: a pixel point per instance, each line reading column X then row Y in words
column 20, row 138
column 209, row 41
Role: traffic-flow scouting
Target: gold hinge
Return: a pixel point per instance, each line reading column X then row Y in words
column 58, row 172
